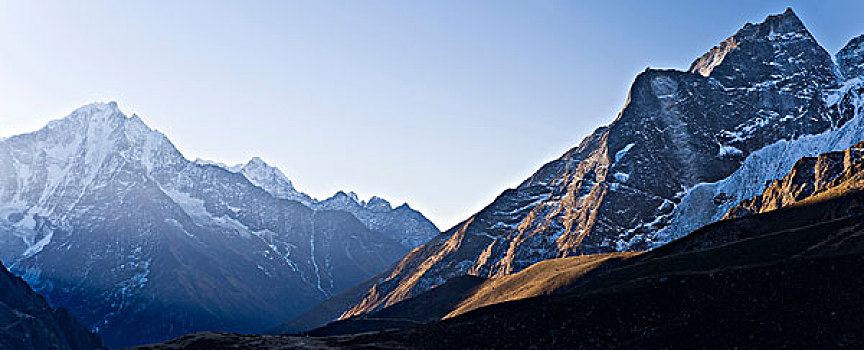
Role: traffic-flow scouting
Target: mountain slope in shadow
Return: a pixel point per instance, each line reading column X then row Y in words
column 27, row 321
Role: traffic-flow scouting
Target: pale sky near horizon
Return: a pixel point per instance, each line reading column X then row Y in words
column 441, row 104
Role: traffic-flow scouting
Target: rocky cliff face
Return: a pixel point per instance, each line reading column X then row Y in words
column 624, row 186
column 812, row 177
column 28, row 322
column 103, row 216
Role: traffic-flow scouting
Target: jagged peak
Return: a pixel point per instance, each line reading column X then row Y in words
column 110, row 106
column 850, row 59
column 254, row 163
column 347, row 195
column 374, row 203
column 105, row 114
column 100, row 131
column 257, row 162
column 97, row 112
column 103, row 119
column 786, row 26
column 257, row 170
column 269, row 178
column 773, row 26
column 404, row 206
column 787, row 15
column 352, row 197
column 339, row 197
column 854, row 43
column 376, row 199
column 378, row 203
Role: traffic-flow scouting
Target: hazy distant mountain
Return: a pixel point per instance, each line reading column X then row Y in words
column 271, row 179
column 403, row 224
column 687, row 146
column 103, row 216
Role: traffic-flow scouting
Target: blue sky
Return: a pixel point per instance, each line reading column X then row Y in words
column 442, row 104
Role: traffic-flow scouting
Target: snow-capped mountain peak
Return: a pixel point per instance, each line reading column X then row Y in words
column 378, row 204
column 271, row 179
column 768, row 53
column 95, row 111
column 344, row 198
column 69, row 153
column 403, row 224
column 257, row 162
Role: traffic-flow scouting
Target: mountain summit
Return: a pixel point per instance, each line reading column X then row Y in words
column 779, row 46
column 271, row 179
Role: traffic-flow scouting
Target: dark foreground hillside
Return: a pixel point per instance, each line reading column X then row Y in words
column 28, row 322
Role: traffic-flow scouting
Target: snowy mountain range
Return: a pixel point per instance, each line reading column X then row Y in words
column 105, row 217
column 687, row 147
column 403, row 224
